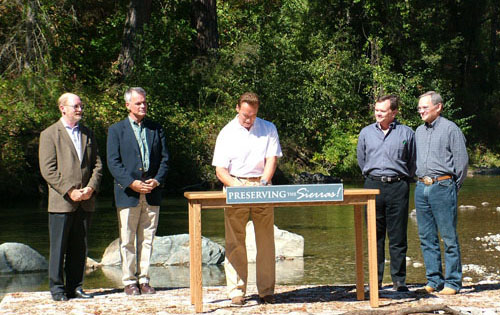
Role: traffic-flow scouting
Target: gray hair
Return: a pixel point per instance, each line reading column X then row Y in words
column 128, row 93
column 435, row 97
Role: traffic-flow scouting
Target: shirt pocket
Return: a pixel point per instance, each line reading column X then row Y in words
column 399, row 149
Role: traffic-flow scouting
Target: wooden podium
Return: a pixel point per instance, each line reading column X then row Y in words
column 357, row 197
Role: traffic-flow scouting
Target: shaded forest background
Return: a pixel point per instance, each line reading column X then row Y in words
column 317, row 66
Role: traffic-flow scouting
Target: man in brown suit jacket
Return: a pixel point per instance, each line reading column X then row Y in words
column 72, row 168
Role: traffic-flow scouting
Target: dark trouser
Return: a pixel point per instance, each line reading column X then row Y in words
column 392, row 218
column 68, row 249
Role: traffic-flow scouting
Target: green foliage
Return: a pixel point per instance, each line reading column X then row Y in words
column 27, row 106
column 317, row 66
column 480, row 156
column 338, row 155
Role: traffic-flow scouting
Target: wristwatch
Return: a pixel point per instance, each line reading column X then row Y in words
column 264, row 182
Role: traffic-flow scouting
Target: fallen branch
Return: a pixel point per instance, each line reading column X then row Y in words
column 409, row 310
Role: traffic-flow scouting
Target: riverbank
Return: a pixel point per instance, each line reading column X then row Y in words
column 475, row 298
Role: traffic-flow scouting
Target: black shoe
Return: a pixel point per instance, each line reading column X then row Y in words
column 79, row 294
column 400, row 286
column 59, row 297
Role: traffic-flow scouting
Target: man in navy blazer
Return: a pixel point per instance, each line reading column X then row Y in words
column 137, row 158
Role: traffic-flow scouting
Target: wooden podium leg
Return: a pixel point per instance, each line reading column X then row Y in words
column 191, row 252
column 358, row 228
column 372, row 252
column 198, row 296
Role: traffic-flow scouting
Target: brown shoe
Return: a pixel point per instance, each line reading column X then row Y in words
column 426, row 290
column 448, row 291
column 132, row 289
column 238, row 301
column 147, row 289
column 268, row 299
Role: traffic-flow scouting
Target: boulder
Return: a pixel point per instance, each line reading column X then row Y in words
column 170, row 276
column 91, row 265
column 170, row 250
column 288, row 245
column 111, row 256
column 287, row 271
column 18, row 258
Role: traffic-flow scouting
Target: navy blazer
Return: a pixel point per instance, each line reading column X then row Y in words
column 125, row 162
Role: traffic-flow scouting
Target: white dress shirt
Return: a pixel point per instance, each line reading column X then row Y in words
column 74, row 134
column 243, row 152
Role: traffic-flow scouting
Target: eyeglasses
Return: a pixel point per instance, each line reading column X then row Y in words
column 76, row 106
column 422, row 109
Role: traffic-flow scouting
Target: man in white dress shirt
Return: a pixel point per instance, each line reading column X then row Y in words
column 246, row 154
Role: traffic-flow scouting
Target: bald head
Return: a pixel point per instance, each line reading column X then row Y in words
column 71, row 108
column 63, row 99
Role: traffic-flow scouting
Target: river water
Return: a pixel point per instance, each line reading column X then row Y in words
column 328, row 233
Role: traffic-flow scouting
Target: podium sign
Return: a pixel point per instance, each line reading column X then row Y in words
column 284, row 193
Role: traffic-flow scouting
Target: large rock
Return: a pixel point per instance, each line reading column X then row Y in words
column 170, row 276
column 288, row 245
column 17, row 257
column 170, row 250
column 287, row 271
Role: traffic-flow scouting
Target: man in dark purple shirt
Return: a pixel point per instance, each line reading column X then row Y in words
column 386, row 155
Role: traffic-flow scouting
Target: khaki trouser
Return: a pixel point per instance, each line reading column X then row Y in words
column 137, row 227
column 235, row 264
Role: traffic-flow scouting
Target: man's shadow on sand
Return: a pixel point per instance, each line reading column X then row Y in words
column 331, row 293
column 120, row 290
column 347, row 294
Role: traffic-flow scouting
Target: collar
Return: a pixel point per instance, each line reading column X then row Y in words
column 133, row 122
column 434, row 123
column 65, row 124
column 237, row 122
column 392, row 125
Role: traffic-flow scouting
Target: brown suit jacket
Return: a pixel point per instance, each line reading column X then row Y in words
column 62, row 170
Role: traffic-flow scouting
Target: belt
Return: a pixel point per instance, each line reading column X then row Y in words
column 431, row 180
column 248, row 178
column 387, row 179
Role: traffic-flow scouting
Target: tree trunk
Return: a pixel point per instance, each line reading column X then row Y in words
column 493, row 44
column 139, row 13
column 205, row 23
column 375, row 61
column 30, row 23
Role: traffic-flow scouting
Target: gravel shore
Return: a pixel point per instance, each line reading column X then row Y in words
column 479, row 298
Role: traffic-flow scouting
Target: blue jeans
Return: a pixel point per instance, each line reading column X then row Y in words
column 437, row 209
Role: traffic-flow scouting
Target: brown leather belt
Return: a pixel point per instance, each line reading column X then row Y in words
column 251, row 179
column 431, row 180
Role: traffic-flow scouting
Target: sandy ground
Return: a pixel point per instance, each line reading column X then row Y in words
column 482, row 298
